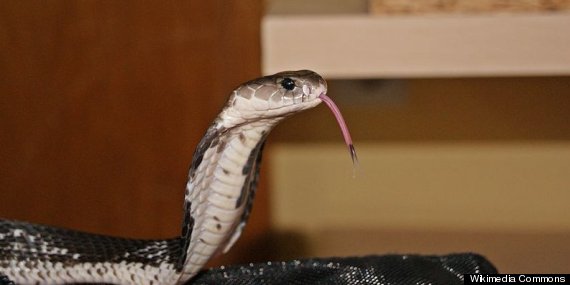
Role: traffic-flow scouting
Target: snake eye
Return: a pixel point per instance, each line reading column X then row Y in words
column 288, row 83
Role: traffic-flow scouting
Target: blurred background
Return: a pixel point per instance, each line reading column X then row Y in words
column 459, row 111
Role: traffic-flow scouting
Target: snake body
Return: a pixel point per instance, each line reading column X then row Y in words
column 219, row 194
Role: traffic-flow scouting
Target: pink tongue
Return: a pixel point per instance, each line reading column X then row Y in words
column 342, row 124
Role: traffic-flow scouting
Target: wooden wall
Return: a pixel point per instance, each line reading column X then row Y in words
column 103, row 102
column 477, row 109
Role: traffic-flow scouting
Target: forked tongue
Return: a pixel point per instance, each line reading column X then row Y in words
column 343, row 127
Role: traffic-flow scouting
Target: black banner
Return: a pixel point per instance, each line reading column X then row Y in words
column 517, row 279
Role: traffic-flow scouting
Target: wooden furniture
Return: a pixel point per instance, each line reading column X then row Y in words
column 103, row 103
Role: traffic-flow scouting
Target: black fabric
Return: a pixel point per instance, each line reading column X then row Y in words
column 386, row 269
column 376, row 270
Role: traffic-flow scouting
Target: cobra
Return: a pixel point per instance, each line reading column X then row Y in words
column 217, row 202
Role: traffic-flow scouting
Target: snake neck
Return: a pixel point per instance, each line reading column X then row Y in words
column 219, row 193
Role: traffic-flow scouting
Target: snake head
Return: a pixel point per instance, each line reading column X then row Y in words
column 275, row 96
column 278, row 96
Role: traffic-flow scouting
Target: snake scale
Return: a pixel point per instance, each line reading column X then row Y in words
column 219, row 194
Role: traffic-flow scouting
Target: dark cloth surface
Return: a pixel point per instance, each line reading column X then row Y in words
column 376, row 270
column 385, row 269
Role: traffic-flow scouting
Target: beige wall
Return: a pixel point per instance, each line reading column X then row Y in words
column 469, row 187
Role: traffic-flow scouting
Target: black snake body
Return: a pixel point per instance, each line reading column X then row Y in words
column 33, row 247
column 218, row 198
